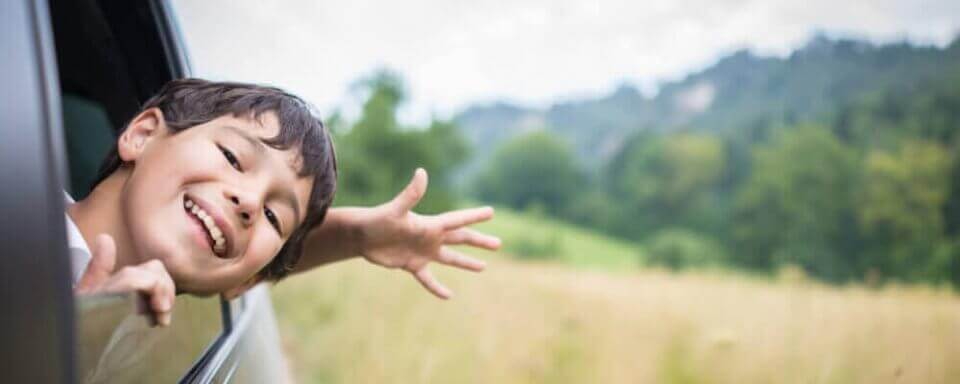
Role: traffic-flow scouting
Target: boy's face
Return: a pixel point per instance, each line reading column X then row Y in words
column 213, row 202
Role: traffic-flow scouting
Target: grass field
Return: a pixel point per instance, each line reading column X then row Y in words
column 571, row 245
column 537, row 322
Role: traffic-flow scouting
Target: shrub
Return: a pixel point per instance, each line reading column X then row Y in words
column 679, row 249
column 527, row 247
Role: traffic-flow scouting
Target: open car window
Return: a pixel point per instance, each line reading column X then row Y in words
column 111, row 56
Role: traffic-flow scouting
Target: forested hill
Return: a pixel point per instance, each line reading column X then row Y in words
column 740, row 91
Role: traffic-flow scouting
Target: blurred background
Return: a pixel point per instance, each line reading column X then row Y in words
column 688, row 192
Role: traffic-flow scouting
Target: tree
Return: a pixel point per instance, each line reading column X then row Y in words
column 666, row 181
column 378, row 156
column 900, row 209
column 537, row 168
column 796, row 207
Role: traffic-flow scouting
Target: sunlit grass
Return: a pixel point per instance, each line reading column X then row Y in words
column 544, row 322
column 573, row 245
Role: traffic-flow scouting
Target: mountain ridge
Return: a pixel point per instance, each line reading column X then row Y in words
column 739, row 90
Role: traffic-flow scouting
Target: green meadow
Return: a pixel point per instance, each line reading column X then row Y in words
column 547, row 319
column 534, row 236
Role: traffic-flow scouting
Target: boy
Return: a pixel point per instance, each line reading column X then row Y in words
column 214, row 187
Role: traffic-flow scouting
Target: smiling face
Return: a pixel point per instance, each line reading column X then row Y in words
column 213, row 202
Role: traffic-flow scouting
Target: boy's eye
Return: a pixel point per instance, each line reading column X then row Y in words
column 272, row 218
column 231, row 158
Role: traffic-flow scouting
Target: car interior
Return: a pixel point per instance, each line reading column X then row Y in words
column 110, row 59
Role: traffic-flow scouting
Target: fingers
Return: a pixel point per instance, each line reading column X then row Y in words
column 467, row 236
column 456, row 259
column 101, row 264
column 431, row 284
column 152, row 281
column 464, row 217
column 149, row 279
column 163, row 294
column 411, row 195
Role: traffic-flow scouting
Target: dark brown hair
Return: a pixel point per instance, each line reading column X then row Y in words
column 186, row 103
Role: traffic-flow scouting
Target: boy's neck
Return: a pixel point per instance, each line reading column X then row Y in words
column 100, row 213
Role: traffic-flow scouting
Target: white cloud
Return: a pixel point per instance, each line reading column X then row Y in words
column 453, row 53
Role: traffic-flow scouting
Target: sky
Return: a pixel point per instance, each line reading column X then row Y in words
column 457, row 53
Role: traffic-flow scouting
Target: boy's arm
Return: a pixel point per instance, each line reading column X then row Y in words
column 338, row 238
column 393, row 236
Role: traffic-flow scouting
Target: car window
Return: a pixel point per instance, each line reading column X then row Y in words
column 114, row 342
column 110, row 58
column 118, row 345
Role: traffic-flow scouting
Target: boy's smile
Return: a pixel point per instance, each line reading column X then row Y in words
column 210, row 226
column 213, row 202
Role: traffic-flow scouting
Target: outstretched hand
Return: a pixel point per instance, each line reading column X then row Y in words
column 396, row 237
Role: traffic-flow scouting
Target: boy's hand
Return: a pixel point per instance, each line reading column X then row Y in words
column 395, row 237
column 150, row 279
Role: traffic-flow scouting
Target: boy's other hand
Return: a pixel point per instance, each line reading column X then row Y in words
column 396, row 237
column 150, row 279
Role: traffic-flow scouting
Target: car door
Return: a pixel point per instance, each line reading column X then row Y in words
column 36, row 307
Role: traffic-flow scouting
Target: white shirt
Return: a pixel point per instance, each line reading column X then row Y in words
column 79, row 251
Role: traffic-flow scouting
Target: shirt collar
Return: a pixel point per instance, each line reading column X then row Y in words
column 79, row 251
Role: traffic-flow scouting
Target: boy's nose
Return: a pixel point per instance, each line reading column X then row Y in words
column 236, row 201
column 244, row 207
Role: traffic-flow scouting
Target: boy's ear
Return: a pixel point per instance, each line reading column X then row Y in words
column 143, row 128
column 234, row 292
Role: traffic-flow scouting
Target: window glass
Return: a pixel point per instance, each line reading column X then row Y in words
column 118, row 345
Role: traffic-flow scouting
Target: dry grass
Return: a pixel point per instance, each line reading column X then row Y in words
column 528, row 323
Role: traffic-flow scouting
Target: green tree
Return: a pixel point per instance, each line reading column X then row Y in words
column 378, row 155
column 900, row 209
column 666, row 181
column 534, row 169
column 796, row 207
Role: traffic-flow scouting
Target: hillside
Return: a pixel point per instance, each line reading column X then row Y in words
column 538, row 237
column 740, row 90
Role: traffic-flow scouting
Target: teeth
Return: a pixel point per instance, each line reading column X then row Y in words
column 219, row 242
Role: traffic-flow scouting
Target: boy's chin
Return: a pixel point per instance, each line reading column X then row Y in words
column 192, row 282
column 196, row 278
column 193, row 269
column 182, row 266
column 175, row 250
